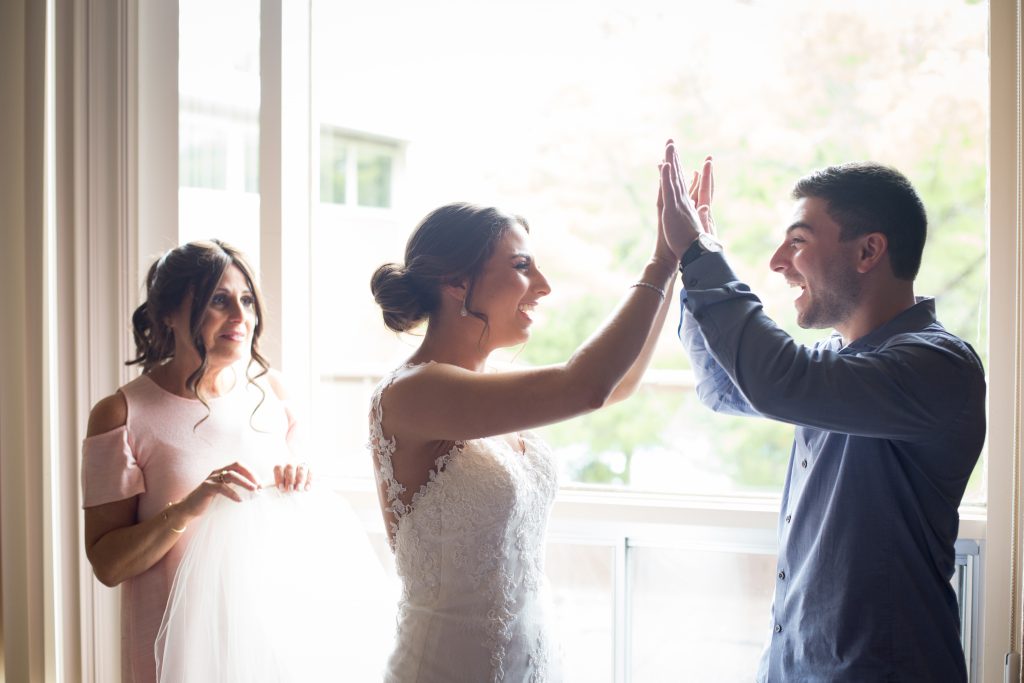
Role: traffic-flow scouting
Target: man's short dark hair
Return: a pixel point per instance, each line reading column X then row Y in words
column 865, row 197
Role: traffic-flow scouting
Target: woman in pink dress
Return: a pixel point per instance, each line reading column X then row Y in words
column 207, row 418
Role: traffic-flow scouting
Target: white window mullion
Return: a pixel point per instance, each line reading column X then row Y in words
column 286, row 191
column 351, row 173
column 622, row 605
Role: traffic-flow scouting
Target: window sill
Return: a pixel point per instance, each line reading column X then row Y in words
column 604, row 514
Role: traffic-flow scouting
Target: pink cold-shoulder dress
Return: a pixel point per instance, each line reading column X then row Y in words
column 161, row 454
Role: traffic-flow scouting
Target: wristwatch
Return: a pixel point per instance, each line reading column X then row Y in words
column 704, row 244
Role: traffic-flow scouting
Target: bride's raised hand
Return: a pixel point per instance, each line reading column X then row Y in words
column 662, row 251
column 702, row 192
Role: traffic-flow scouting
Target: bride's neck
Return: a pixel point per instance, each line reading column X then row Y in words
column 445, row 345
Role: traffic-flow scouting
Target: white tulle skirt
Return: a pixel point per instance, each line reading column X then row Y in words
column 282, row 587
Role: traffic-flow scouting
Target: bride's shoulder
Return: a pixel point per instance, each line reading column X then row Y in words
column 412, row 383
column 414, row 376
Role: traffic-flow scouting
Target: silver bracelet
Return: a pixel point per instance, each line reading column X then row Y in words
column 648, row 285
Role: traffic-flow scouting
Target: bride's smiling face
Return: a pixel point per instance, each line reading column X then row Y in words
column 508, row 289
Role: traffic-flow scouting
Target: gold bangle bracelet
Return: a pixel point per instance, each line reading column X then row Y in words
column 168, row 519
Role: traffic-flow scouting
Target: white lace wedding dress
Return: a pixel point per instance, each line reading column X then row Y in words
column 469, row 550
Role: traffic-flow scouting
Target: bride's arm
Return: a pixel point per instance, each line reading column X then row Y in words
column 631, row 381
column 440, row 402
column 701, row 192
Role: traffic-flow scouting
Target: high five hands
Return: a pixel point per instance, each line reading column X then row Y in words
column 685, row 213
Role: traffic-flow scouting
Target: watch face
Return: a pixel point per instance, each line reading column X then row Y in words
column 709, row 243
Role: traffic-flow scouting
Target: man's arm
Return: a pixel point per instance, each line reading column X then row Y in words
column 910, row 388
column 715, row 388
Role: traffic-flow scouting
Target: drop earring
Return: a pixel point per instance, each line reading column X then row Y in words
column 463, row 312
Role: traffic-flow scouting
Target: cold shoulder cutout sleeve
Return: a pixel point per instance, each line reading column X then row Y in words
column 109, row 469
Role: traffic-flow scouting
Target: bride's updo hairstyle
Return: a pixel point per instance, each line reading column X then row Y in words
column 449, row 245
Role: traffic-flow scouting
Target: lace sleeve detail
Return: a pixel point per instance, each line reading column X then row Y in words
column 383, row 448
column 397, row 504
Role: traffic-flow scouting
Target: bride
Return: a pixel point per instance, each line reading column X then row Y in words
column 464, row 489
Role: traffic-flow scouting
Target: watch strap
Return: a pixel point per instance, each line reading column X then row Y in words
column 692, row 253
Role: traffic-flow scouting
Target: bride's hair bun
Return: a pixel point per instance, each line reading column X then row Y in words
column 451, row 245
column 398, row 297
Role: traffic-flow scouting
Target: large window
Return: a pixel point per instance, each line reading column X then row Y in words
column 558, row 112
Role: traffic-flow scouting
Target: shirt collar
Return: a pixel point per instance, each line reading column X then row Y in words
column 914, row 319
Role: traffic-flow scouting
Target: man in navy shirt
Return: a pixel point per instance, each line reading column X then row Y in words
column 889, row 414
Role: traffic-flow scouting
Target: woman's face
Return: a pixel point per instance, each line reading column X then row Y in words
column 508, row 289
column 227, row 327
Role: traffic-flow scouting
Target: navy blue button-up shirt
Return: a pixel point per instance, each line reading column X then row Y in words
column 888, row 430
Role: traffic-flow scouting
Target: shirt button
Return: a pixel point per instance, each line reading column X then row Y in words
column 778, row 628
column 782, row 575
column 789, row 518
column 803, row 463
